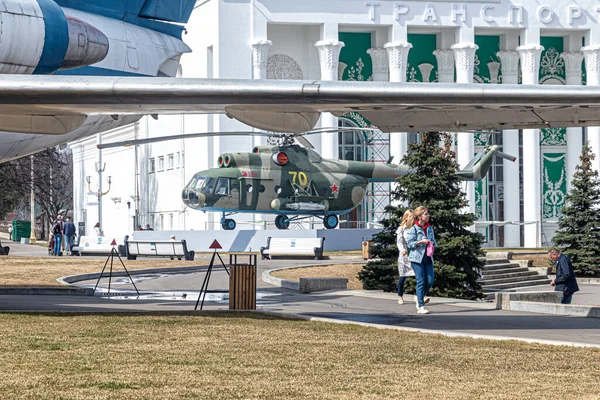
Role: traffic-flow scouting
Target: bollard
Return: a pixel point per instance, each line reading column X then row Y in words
column 242, row 283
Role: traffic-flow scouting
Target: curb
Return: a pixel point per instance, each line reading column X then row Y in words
column 572, row 310
column 71, row 279
column 70, row 291
column 286, row 283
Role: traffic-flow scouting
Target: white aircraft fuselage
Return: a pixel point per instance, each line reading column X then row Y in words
column 40, row 37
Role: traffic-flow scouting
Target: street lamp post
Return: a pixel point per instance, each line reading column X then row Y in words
column 32, row 238
column 99, row 193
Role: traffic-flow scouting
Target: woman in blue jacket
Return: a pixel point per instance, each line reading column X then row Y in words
column 418, row 238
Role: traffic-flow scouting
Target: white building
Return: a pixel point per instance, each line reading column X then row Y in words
column 492, row 42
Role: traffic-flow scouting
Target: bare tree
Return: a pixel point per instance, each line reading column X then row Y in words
column 52, row 183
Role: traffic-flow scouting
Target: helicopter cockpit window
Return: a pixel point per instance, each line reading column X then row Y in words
column 196, row 182
column 313, row 157
column 208, row 185
column 222, row 188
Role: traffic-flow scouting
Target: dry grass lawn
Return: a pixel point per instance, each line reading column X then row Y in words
column 251, row 356
column 43, row 271
column 349, row 271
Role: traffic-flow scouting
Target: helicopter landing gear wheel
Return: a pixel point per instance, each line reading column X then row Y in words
column 228, row 224
column 282, row 222
column 330, row 221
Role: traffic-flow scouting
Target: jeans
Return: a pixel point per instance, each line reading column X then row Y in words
column 68, row 243
column 57, row 242
column 424, row 275
column 401, row 286
column 566, row 299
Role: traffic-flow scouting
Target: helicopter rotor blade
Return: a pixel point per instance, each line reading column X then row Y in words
column 135, row 142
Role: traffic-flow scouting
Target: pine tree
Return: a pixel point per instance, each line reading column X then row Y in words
column 435, row 186
column 578, row 235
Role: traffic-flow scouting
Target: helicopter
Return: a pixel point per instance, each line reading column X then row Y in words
column 291, row 181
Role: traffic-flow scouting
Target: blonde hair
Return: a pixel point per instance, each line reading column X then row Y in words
column 408, row 219
column 420, row 211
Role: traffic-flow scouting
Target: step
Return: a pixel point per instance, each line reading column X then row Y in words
column 485, row 272
column 512, row 285
column 510, row 275
column 491, row 261
column 500, row 266
column 493, row 282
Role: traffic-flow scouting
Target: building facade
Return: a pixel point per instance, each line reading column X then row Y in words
column 471, row 42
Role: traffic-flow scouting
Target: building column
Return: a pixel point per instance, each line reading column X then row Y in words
column 260, row 55
column 445, row 69
column 573, row 62
column 530, row 70
column 464, row 57
column 397, row 56
column 510, row 144
column 329, row 58
column 445, row 65
column 592, row 70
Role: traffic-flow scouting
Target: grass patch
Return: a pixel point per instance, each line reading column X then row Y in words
column 43, row 271
column 231, row 355
column 349, row 271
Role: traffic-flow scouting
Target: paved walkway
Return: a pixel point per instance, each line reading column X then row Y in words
column 177, row 291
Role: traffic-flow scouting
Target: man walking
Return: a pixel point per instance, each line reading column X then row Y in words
column 565, row 281
column 57, row 230
column 69, row 232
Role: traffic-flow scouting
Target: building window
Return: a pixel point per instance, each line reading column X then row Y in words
column 161, row 163
column 152, row 166
column 171, row 222
column 162, row 222
column 170, row 161
column 350, row 142
column 178, row 160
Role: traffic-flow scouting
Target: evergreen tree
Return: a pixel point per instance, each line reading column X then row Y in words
column 435, row 186
column 578, row 235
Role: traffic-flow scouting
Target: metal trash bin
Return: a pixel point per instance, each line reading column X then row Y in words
column 242, row 282
column 21, row 229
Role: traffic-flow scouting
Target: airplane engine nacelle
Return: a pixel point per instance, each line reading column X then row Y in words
column 38, row 38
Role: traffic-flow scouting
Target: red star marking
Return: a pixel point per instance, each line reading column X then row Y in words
column 335, row 188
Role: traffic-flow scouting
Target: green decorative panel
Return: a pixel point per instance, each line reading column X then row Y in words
column 553, row 137
column 419, row 56
column 487, row 65
column 481, row 139
column 552, row 72
column 554, row 184
column 552, row 66
column 359, row 66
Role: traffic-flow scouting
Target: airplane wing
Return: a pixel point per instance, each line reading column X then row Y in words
column 32, row 102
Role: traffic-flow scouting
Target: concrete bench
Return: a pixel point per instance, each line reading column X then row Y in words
column 158, row 248
column 309, row 285
column 4, row 250
column 93, row 245
column 293, row 247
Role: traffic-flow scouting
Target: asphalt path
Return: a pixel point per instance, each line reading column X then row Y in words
column 177, row 291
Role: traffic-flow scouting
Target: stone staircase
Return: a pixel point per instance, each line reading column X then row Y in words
column 500, row 273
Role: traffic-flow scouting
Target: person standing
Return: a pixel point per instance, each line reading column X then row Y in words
column 565, row 281
column 404, row 268
column 421, row 244
column 97, row 230
column 69, row 233
column 57, row 231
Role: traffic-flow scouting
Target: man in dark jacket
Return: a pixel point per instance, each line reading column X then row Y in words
column 565, row 281
column 69, row 233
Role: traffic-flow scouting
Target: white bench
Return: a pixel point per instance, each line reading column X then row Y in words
column 158, row 248
column 293, row 247
column 94, row 245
